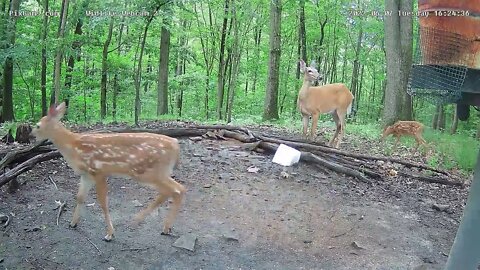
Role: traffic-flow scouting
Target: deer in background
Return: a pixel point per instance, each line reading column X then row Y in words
column 405, row 128
column 147, row 158
column 335, row 99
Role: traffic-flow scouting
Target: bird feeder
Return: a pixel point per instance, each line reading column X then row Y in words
column 446, row 69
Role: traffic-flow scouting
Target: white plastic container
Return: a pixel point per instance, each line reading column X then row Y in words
column 286, row 155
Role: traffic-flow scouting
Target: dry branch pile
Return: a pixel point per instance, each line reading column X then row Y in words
column 362, row 167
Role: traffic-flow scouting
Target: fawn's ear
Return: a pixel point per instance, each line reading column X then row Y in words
column 302, row 65
column 313, row 64
column 58, row 112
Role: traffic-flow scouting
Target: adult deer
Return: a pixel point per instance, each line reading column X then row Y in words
column 147, row 158
column 405, row 128
column 335, row 99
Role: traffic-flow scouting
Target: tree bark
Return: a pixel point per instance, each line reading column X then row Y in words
column 162, row 90
column 7, row 95
column 43, row 75
column 116, row 87
column 356, row 68
column 59, row 52
column 138, row 73
column 271, row 97
column 454, row 126
column 236, row 51
column 221, row 63
column 398, row 42
column 71, row 59
column 104, row 77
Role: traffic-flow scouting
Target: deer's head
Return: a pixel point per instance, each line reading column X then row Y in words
column 49, row 123
column 311, row 72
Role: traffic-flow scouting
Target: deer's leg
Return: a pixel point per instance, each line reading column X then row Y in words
column 313, row 131
column 176, row 192
column 341, row 128
column 161, row 198
column 85, row 185
column 305, row 120
column 397, row 140
column 336, row 119
column 102, row 197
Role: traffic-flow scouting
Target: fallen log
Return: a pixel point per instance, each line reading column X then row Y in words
column 433, row 179
column 11, row 156
column 343, row 153
column 309, row 157
column 27, row 165
column 305, row 156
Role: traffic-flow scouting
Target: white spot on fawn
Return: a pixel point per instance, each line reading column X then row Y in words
column 97, row 164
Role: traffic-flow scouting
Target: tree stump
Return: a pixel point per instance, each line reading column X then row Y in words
column 23, row 133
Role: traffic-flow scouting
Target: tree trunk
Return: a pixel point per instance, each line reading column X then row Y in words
column 398, row 42
column 43, row 76
column 221, row 63
column 103, row 80
column 71, row 59
column 162, row 90
column 138, row 73
column 271, row 96
column 59, row 53
column 301, row 51
column 441, row 118
column 116, row 87
column 406, row 46
column 236, row 51
column 454, row 126
column 435, row 117
column 7, row 105
column 258, row 38
column 356, row 68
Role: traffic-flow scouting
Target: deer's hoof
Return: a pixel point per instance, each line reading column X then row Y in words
column 108, row 238
column 167, row 231
column 72, row 225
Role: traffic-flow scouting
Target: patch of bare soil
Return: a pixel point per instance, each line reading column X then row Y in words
column 314, row 219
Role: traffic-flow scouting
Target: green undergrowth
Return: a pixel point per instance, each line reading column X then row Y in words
column 458, row 151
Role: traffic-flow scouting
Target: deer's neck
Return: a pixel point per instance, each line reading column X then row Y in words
column 62, row 138
column 305, row 89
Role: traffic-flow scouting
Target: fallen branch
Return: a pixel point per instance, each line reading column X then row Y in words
column 10, row 156
column 27, row 165
column 53, row 182
column 61, row 206
column 343, row 153
column 433, row 180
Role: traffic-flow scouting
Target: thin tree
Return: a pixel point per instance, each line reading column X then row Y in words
column 59, row 53
column 7, row 106
column 162, row 87
column 271, row 96
column 43, row 73
column 221, row 63
column 138, row 73
column 103, row 80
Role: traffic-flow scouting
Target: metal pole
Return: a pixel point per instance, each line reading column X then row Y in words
column 465, row 252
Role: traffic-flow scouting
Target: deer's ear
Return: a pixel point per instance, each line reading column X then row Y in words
column 60, row 110
column 313, row 64
column 52, row 112
column 302, row 65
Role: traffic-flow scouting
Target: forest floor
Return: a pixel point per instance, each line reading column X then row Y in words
column 241, row 218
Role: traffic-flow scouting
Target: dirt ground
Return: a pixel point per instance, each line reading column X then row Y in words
column 314, row 219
